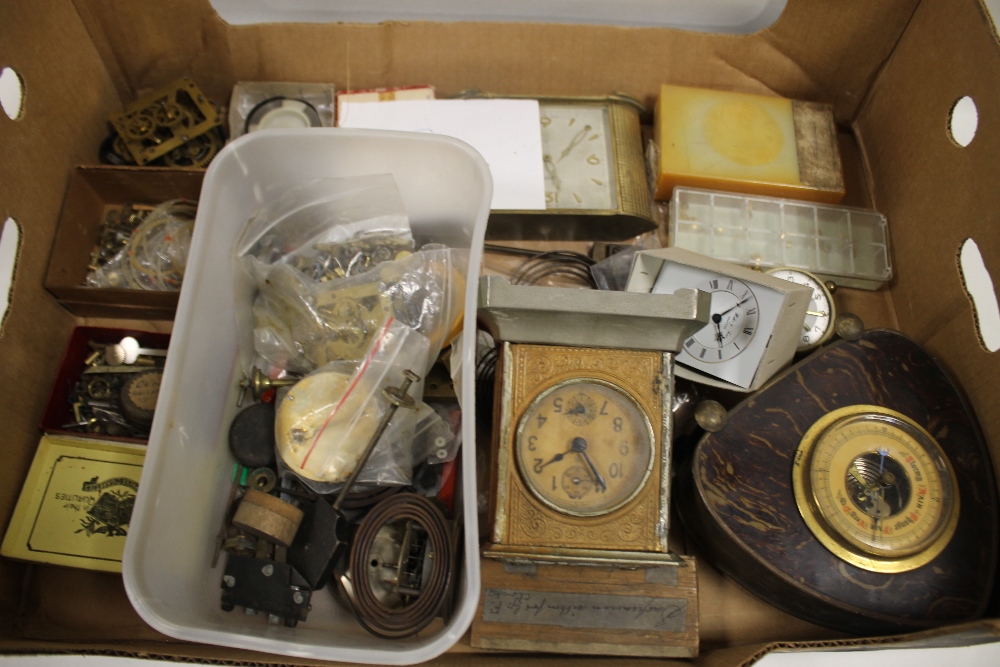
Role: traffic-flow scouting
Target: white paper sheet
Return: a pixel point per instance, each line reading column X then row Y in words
column 506, row 132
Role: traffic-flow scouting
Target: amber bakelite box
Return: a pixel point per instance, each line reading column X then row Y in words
column 92, row 192
column 892, row 71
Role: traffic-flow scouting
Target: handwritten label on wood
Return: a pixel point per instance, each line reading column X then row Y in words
column 585, row 610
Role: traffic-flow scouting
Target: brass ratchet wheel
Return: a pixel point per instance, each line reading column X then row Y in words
column 401, row 565
column 169, row 114
column 197, row 152
column 139, row 126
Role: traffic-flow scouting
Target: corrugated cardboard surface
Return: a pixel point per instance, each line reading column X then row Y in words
column 891, row 69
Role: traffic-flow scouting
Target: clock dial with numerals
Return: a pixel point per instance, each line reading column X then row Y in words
column 584, row 447
column 876, row 489
column 754, row 323
column 578, row 156
column 734, row 321
column 818, row 325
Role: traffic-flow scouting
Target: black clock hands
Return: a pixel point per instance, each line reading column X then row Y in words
column 554, row 459
column 726, row 312
column 580, row 447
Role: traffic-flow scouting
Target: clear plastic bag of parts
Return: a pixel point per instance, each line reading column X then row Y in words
column 328, row 229
column 155, row 256
column 301, row 324
column 325, row 421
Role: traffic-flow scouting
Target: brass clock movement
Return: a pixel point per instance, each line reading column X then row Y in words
column 595, row 174
column 854, row 491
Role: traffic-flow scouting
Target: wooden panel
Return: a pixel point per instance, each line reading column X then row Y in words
column 581, row 605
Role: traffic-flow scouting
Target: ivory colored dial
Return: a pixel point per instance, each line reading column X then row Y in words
column 876, row 489
column 818, row 325
column 578, row 156
column 584, row 447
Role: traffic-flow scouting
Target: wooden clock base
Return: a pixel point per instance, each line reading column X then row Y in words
column 593, row 610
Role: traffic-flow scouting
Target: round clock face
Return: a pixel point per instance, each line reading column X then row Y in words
column 876, row 489
column 584, row 447
column 818, row 325
column 578, row 157
column 733, row 323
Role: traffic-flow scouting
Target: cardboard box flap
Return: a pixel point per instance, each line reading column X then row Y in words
column 935, row 193
column 155, row 44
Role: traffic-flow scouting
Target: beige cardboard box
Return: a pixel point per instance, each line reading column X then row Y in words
column 891, row 69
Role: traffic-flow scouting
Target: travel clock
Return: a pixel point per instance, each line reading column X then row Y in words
column 583, row 438
column 595, row 173
column 755, row 318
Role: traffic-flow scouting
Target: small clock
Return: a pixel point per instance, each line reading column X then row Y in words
column 818, row 325
column 595, row 174
column 756, row 319
column 581, row 470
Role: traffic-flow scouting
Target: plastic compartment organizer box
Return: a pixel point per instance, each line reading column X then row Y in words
column 849, row 246
column 446, row 187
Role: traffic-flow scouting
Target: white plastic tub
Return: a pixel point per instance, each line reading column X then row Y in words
column 446, row 187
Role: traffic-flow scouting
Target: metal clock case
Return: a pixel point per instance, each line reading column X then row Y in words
column 855, row 491
column 582, row 450
column 595, row 174
column 755, row 324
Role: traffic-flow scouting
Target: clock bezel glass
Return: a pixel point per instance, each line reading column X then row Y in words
column 645, row 427
column 832, row 532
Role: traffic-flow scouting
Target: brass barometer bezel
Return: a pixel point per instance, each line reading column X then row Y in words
column 820, row 436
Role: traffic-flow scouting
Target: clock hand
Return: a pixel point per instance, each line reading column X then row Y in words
column 883, row 452
column 554, row 459
column 580, row 447
column 817, row 313
column 577, row 410
column 550, row 167
column 726, row 312
column 575, row 141
column 718, row 331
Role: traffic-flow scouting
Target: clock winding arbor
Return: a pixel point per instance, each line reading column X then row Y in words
column 581, row 470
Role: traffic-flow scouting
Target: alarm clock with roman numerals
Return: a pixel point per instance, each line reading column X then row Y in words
column 755, row 320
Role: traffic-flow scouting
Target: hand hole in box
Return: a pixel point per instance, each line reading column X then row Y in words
column 979, row 287
column 11, row 93
column 963, row 121
column 10, row 242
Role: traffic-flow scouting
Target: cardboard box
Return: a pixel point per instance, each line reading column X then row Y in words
column 91, row 192
column 892, row 70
